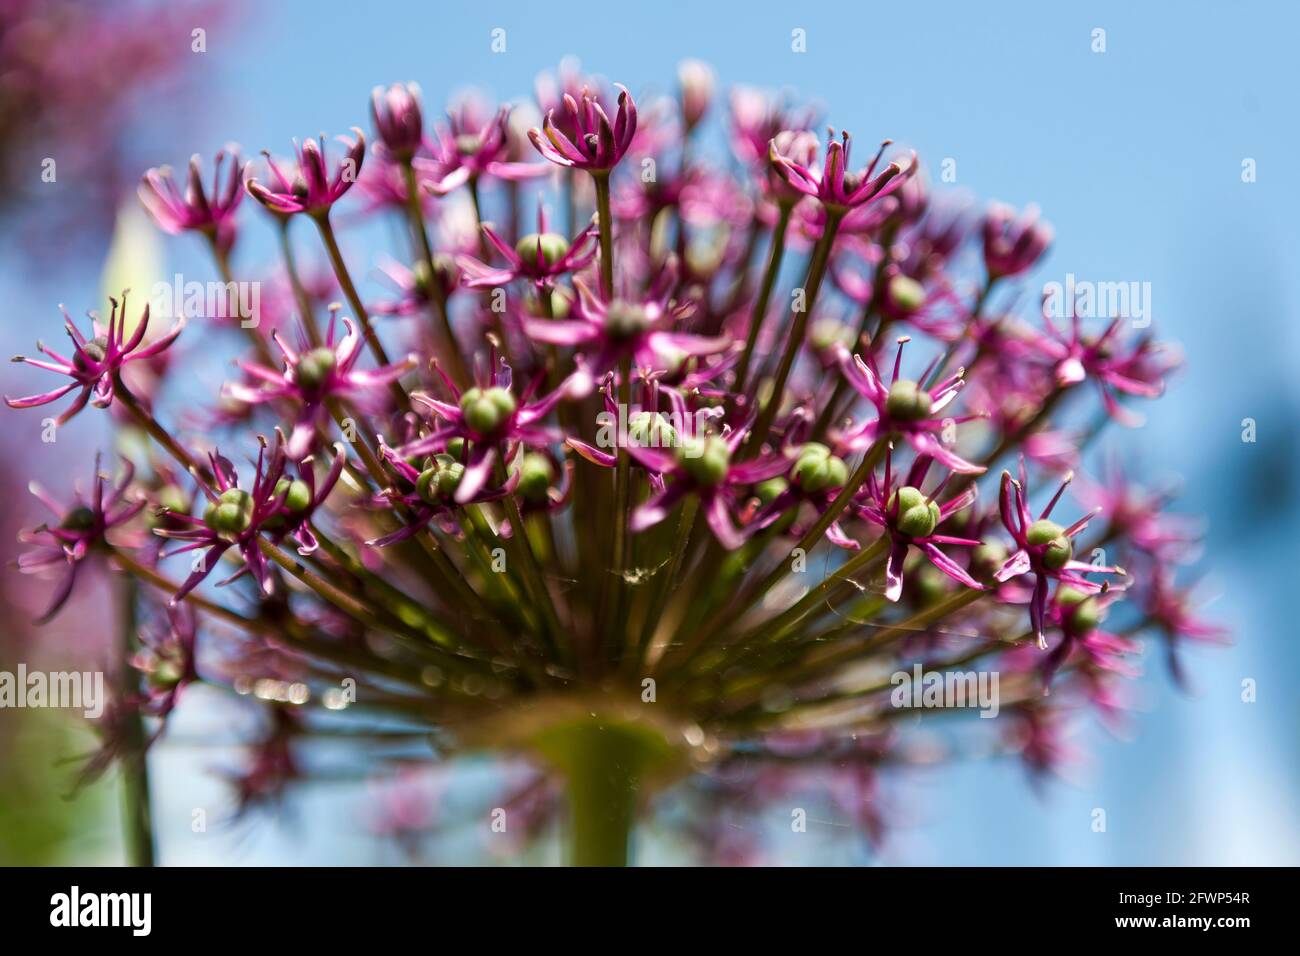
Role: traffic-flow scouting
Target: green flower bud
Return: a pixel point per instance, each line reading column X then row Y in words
column 95, row 349
column 456, row 448
column 467, row 144
column 231, row 513
column 931, row 584
column 817, row 470
column 1058, row 548
column 768, row 491
column 917, row 518
column 298, row 497
column 650, row 430
column 487, row 410
column 78, row 519
column 988, row 557
column 826, row 333
column 535, row 476
column 625, row 319
column 705, row 459
column 553, row 245
column 442, row 279
column 1043, row 531
column 1086, row 616
column 439, row 480
column 172, row 498
column 314, row 368
column 907, row 401
column 166, row 674
column 906, row 294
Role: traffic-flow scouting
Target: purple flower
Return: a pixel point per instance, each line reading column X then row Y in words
column 311, row 189
column 595, row 144
column 1078, row 356
column 606, row 331
column 314, row 376
column 701, row 464
column 470, row 146
column 834, row 184
column 399, row 119
column 1044, row 549
column 1011, row 245
column 1172, row 610
column 234, row 518
column 540, row 257
column 910, row 517
column 167, row 658
column 905, row 409
column 79, row 530
column 212, row 214
column 96, row 361
column 492, row 422
column 432, row 492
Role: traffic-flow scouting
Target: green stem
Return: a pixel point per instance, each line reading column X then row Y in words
column 606, row 234
column 455, row 360
column 137, row 817
column 604, row 765
column 774, row 258
column 354, row 301
column 816, row 273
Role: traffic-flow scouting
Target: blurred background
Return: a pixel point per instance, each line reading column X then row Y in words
column 1136, row 155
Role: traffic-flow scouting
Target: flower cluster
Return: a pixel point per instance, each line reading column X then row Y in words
column 614, row 506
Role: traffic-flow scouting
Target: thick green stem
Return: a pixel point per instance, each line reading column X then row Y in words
column 604, row 765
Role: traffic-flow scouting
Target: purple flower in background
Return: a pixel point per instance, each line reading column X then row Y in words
column 399, row 119
column 210, row 213
column 540, row 257
column 1011, row 245
column 79, row 530
column 468, row 147
column 96, row 361
column 311, row 188
column 1078, row 356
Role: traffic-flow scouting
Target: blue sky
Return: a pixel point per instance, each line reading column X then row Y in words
column 1134, row 154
